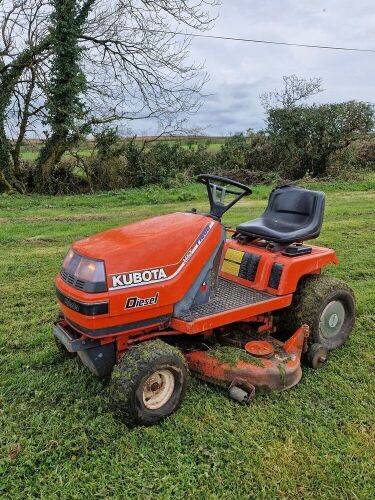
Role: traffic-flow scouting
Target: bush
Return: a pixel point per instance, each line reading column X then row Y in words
column 249, row 159
column 119, row 163
column 252, row 177
column 64, row 178
column 232, row 154
column 314, row 141
column 263, row 155
column 106, row 174
column 26, row 175
column 161, row 162
column 350, row 162
column 307, row 137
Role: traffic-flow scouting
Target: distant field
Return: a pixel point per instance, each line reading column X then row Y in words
column 29, row 152
column 58, row 437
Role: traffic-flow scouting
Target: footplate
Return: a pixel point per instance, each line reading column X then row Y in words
column 232, row 302
column 229, row 295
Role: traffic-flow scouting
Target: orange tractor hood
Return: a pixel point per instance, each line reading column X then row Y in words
column 159, row 242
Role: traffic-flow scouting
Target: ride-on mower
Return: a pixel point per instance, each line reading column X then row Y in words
column 149, row 301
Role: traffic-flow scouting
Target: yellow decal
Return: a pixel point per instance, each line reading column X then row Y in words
column 234, row 255
column 230, row 267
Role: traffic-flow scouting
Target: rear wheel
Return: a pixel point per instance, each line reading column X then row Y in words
column 149, row 383
column 327, row 305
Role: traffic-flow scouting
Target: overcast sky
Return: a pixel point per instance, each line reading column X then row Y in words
column 240, row 71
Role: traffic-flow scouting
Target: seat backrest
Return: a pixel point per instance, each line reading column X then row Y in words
column 297, row 207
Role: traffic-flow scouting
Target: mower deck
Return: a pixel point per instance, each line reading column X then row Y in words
column 278, row 371
column 230, row 298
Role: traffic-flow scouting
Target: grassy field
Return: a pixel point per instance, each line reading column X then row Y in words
column 29, row 152
column 58, row 438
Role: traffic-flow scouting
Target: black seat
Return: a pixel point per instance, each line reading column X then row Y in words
column 293, row 215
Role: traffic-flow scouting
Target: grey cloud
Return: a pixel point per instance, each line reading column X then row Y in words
column 239, row 72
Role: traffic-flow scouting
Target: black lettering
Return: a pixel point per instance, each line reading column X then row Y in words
column 131, row 302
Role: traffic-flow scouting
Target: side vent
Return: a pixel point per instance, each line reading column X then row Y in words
column 275, row 276
column 249, row 266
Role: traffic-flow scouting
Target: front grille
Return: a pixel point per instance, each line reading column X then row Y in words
column 85, row 286
column 72, row 280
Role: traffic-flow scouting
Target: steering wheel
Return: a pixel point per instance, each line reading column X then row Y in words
column 217, row 203
column 204, row 178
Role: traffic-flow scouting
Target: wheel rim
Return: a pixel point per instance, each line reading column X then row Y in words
column 158, row 389
column 332, row 319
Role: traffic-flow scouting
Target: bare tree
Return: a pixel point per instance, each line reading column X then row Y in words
column 294, row 91
column 132, row 54
column 26, row 112
column 136, row 65
column 23, row 46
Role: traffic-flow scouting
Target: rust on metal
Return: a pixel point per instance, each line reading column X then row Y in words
column 286, row 359
column 259, row 348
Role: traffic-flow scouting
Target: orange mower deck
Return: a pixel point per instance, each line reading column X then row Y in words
column 282, row 370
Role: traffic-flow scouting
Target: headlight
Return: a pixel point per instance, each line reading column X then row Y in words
column 71, row 262
column 84, row 273
column 90, row 270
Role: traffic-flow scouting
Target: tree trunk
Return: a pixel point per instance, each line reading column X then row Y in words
column 51, row 154
column 8, row 80
column 7, row 181
column 16, row 151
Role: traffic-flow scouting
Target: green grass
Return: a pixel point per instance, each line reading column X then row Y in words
column 30, row 152
column 58, row 437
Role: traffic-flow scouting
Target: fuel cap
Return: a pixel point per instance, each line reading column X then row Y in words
column 259, row 348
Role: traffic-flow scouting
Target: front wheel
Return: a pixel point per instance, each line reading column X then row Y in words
column 326, row 305
column 149, row 383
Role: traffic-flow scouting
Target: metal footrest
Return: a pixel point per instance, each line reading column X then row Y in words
column 229, row 295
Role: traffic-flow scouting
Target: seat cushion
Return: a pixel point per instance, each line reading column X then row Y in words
column 273, row 230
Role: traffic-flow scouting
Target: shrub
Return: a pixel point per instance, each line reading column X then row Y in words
column 162, row 162
column 350, row 162
column 253, row 177
column 107, row 169
column 108, row 143
column 308, row 136
column 252, row 158
column 64, row 178
column 262, row 155
column 26, row 175
column 232, row 154
column 106, row 174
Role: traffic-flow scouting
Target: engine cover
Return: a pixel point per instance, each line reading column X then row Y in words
column 151, row 266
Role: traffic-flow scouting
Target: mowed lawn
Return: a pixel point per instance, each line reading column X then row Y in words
column 58, row 437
